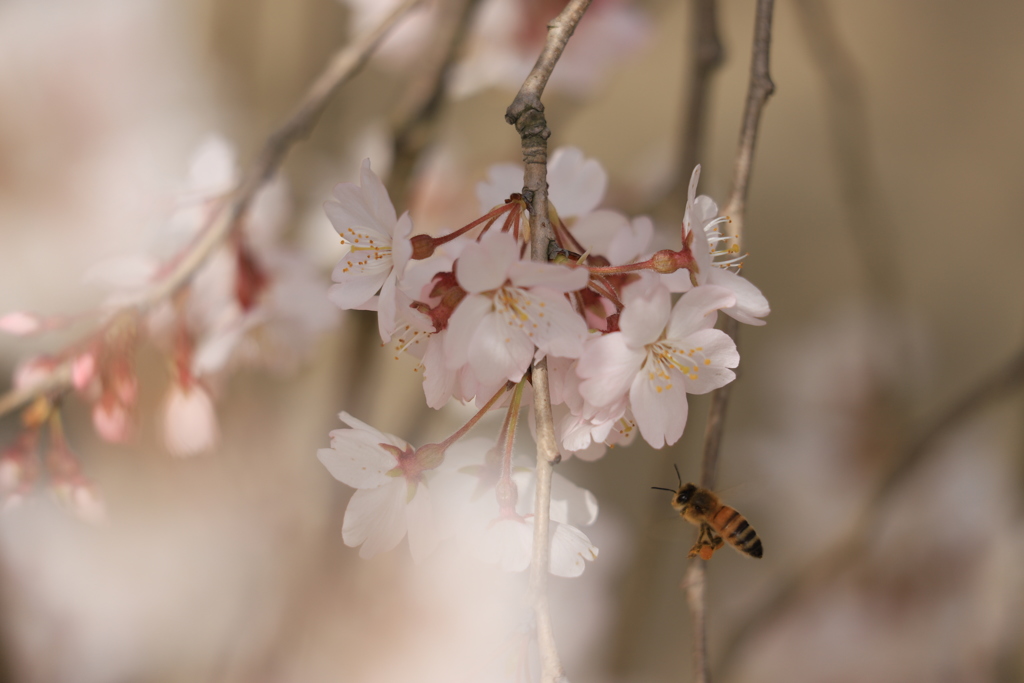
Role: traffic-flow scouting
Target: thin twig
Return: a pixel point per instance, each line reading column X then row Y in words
column 759, row 89
column 343, row 65
column 849, row 546
column 526, row 113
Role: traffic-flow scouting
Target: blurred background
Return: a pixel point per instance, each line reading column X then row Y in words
column 883, row 225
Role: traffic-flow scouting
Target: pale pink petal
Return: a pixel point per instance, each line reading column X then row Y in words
column 698, row 310
column 499, row 352
column 387, row 305
column 570, row 551
column 110, row 420
column 631, row 241
column 375, row 434
column 507, row 543
column 577, row 184
column 660, row 415
column 572, row 504
column 375, row 518
column 484, row 265
column 438, row 380
column 83, row 369
column 355, row 458
column 596, row 230
column 190, row 422
column 212, row 167
column 607, row 368
column 422, row 524
column 717, row 352
column 502, row 181
column 462, row 326
column 647, row 308
column 751, row 305
column 401, row 246
column 550, row 322
column 376, row 195
column 20, row 323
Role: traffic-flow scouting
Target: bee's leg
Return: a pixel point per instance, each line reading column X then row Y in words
column 707, row 543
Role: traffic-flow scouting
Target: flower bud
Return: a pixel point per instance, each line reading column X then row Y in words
column 422, row 247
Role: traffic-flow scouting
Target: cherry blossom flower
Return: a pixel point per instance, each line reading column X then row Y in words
column 577, row 184
column 379, row 248
column 512, row 306
column 702, row 221
column 505, row 538
column 661, row 354
column 392, row 498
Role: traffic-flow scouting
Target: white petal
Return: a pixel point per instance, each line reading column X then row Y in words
column 720, row 353
column 355, row 458
column 647, row 307
column 484, row 265
column 750, row 302
column 462, row 327
column 597, row 229
column 499, row 351
column 607, row 367
column 376, row 195
column 575, row 505
column 570, row 551
column 438, row 380
column 422, row 525
column 507, row 543
column 660, row 415
column 698, row 310
column 550, row 322
column 375, row 518
column 577, row 184
column 502, row 181
column 631, row 241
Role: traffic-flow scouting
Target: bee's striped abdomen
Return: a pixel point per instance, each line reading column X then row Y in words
column 736, row 531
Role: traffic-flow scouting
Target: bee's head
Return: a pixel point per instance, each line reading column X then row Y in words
column 683, row 496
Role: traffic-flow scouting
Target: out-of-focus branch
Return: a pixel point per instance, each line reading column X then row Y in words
column 418, row 112
column 847, row 119
column 707, row 56
column 850, row 545
column 526, row 113
column 759, row 89
column 343, row 65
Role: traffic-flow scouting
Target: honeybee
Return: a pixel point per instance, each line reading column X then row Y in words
column 716, row 521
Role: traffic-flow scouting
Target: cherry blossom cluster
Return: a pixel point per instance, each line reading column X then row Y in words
column 252, row 301
column 476, row 312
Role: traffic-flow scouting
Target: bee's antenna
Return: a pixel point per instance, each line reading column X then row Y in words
column 679, row 476
column 662, row 488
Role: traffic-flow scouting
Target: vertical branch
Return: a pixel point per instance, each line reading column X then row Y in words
column 758, row 92
column 526, row 113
